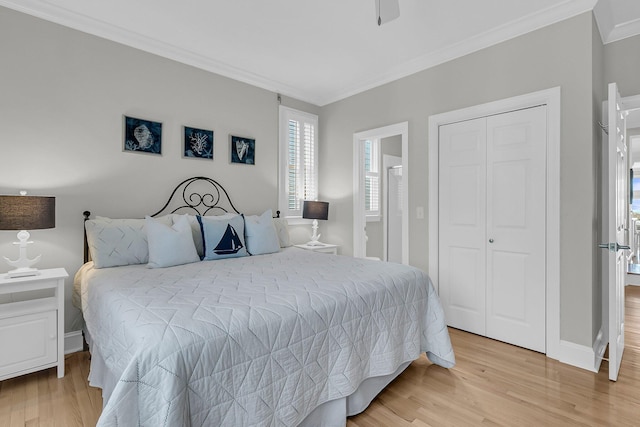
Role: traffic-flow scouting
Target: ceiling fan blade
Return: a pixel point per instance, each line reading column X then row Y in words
column 387, row 10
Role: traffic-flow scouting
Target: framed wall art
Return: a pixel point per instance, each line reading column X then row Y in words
column 243, row 150
column 142, row 136
column 197, row 143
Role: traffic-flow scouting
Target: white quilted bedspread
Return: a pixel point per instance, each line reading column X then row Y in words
column 254, row 341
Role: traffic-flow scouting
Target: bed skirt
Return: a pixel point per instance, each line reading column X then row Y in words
column 329, row 414
column 335, row 412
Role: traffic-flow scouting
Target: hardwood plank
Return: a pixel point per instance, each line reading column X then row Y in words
column 492, row 384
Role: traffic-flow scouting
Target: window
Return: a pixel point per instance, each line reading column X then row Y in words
column 298, row 161
column 372, row 179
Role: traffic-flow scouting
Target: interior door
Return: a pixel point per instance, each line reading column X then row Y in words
column 516, row 194
column 617, row 176
column 462, row 227
column 492, row 227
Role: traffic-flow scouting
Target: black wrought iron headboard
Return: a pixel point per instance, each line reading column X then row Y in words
column 209, row 198
column 198, row 195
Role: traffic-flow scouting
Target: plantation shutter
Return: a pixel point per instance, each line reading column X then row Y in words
column 372, row 178
column 300, row 178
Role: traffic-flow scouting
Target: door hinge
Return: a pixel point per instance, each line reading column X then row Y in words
column 613, row 247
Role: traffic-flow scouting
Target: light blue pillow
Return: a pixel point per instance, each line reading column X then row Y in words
column 170, row 245
column 223, row 237
column 261, row 235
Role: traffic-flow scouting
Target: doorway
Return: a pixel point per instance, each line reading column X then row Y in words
column 369, row 216
column 633, row 240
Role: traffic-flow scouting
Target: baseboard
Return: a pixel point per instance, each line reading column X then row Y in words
column 599, row 347
column 580, row 356
column 73, row 342
column 632, row 279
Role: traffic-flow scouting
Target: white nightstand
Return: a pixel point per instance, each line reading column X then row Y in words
column 32, row 331
column 325, row 248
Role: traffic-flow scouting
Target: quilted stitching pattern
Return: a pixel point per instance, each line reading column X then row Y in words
column 116, row 242
column 258, row 340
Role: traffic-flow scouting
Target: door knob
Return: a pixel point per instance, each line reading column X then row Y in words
column 490, row 240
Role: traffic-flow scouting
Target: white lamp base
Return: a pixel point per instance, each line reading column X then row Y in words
column 315, row 236
column 23, row 264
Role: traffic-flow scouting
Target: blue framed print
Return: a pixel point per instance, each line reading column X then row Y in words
column 142, row 136
column 243, row 150
column 197, row 143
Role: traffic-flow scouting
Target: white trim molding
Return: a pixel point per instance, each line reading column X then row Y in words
column 550, row 98
column 401, row 129
column 582, row 356
column 49, row 11
column 610, row 30
column 526, row 24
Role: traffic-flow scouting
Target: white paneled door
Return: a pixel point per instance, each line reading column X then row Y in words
column 617, row 194
column 463, row 229
column 492, row 226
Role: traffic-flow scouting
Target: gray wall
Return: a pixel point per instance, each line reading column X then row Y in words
column 622, row 61
column 557, row 55
column 63, row 94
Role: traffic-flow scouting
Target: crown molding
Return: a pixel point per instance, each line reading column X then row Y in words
column 623, row 31
column 610, row 31
column 85, row 24
column 62, row 16
column 526, row 24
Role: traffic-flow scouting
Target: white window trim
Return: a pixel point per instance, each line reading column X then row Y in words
column 286, row 114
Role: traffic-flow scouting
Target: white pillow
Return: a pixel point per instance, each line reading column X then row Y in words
column 114, row 242
column 261, row 235
column 195, row 231
column 170, row 245
column 282, row 228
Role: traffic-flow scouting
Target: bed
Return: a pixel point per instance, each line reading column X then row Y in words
column 283, row 338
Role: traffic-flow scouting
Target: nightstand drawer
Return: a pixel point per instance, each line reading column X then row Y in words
column 28, row 342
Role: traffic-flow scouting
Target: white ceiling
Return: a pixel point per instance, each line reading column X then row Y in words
column 320, row 51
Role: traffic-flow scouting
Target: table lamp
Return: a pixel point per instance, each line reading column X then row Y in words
column 26, row 213
column 315, row 211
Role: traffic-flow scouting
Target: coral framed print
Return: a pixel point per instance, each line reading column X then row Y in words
column 243, row 150
column 197, row 143
column 142, row 136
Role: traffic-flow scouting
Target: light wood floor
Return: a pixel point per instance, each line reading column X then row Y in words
column 492, row 384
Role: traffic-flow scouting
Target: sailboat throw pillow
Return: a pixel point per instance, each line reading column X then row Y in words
column 223, row 237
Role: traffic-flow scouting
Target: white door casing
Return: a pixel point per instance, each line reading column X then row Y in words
column 359, row 242
column 551, row 98
column 492, row 227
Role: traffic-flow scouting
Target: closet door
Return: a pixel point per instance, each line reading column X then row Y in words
column 492, row 212
column 462, row 234
column 516, row 194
